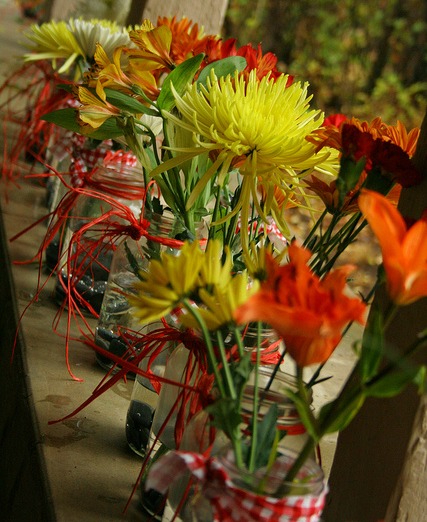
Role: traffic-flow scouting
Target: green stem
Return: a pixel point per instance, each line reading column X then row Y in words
column 225, row 366
column 255, row 406
column 211, row 354
column 348, row 397
column 212, row 229
column 240, row 346
column 314, row 228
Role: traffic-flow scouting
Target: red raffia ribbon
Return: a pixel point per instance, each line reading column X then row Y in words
column 106, row 230
column 34, row 85
column 141, row 346
column 229, row 502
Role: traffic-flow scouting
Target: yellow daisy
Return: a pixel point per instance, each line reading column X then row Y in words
column 215, row 271
column 218, row 306
column 168, row 281
column 53, row 41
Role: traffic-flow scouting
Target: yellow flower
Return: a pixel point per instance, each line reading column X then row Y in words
column 94, row 111
column 53, row 41
column 153, row 44
column 258, row 259
column 167, row 281
column 217, row 307
column 259, row 126
column 214, row 271
column 111, row 74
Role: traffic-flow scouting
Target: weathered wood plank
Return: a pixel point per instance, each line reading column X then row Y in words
column 371, row 452
column 207, row 13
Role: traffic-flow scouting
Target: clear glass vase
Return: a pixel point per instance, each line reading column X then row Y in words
column 130, row 257
column 228, row 493
column 200, row 435
column 84, row 267
column 145, row 397
column 170, row 405
column 117, row 326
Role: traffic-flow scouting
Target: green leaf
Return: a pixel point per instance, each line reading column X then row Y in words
column 133, row 261
column 68, row 119
column 377, row 182
column 305, row 413
column 267, row 434
column 349, row 175
column 222, row 68
column 393, row 383
column 179, row 78
column 241, row 371
column 372, row 345
column 226, row 417
column 125, row 102
column 341, row 418
column 421, row 380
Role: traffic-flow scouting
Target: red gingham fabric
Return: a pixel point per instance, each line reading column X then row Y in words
column 85, row 160
column 230, row 503
column 271, row 229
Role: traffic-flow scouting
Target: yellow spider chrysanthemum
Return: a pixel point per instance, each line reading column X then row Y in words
column 259, row 126
column 167, row 281
column 53, row 41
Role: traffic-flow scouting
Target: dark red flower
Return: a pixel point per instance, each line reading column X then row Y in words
column 395, row 163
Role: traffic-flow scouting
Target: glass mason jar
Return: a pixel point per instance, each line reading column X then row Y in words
column 130, row 257
column 117, row 324
column 88, row 263
column 144, row 397
column 198, row 435
column 309, row 488
column 275, row 497
column 294, row 434
column 166, row 414
column 162, row 434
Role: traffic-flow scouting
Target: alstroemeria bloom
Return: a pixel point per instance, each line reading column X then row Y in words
column 94, row 111
column 404, row 249
column 309, row 313
column 110, row 74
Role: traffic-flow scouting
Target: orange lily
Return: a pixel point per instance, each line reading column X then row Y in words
column 404, row 249
column 307, row 312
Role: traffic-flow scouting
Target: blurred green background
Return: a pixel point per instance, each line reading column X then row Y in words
column 364, row 59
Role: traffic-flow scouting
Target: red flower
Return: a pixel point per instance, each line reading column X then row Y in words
column 307, row 312
column 329, row 194
column 335, row 120
column 395, row 162
column 355, row 143
column 263, row 63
